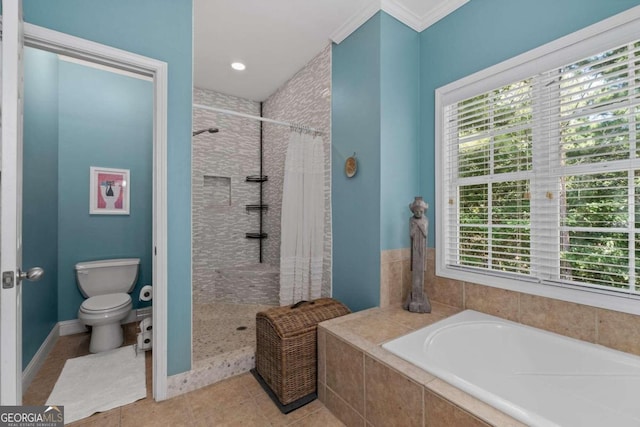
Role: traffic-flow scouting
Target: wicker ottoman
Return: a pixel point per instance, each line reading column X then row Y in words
column 286, row 350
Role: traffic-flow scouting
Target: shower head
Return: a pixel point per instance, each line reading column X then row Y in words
column 210, row 130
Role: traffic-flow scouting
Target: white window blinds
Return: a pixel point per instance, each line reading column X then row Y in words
column 542, row 176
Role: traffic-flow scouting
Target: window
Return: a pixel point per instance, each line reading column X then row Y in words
column 539, row 171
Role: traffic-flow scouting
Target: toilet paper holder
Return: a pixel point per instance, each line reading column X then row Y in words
column 146, row 293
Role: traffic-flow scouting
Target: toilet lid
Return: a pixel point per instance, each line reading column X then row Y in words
column 106, row 302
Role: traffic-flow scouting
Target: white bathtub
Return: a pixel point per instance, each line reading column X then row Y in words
column 537, row 377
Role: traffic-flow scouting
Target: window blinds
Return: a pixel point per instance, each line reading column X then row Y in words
column 542, row 175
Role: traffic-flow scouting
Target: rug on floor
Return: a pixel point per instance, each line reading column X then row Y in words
column 99, row 382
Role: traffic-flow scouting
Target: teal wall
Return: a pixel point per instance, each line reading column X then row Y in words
column 483, row 33
column 160, row 29
column 77, row 117
column 106, row 120
column 40, row 198
column 375, row 113
column 399, row 130
column 355, row 127
column 384, row 81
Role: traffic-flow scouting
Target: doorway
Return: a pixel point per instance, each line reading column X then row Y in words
column 73, row 47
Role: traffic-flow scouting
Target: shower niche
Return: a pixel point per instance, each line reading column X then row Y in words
column 217, row 190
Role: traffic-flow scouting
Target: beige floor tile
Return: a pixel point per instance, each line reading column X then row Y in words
column 172, row 412
column 209, row 400
column 249, row 382
column 320, row 418
column 240, row 414
column 238, row 401
column 271, row 412
column 104, row 419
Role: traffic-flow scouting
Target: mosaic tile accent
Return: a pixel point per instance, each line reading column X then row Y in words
column 220, row 163
column 220, row 328
column 305, row 99
column 219, row 350
column 212, row 370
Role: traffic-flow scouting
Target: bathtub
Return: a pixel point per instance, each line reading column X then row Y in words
column 535, row 376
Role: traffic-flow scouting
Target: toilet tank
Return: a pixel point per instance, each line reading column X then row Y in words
column 108, row 276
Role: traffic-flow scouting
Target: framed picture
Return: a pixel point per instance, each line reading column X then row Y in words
column 108, row 191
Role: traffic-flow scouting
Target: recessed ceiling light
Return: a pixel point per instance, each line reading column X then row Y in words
column 238, row 66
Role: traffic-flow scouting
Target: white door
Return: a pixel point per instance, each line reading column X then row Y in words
column 11, row 205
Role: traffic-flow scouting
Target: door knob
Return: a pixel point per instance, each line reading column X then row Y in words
column 33, row 274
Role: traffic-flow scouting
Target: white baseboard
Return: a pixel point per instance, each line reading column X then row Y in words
column 70, row 327
column 38, row 359
column 141, row 313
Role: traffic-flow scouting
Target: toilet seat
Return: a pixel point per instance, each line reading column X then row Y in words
column 108, row 302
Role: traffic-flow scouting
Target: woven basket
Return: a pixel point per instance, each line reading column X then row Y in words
column 286, row 346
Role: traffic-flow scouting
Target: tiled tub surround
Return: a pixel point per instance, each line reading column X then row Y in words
column 538, row 377
column 352, row 365
column 620, row 331
column 363, row 384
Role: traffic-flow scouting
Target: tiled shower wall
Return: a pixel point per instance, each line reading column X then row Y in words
column 220, row 163
column 305, row 99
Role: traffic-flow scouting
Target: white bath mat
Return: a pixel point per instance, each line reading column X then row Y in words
column 99, row 382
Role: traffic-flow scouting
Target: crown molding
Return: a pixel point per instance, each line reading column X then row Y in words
column 439, row 12
column 355, row 22
column 398, row 11
column 402, row 14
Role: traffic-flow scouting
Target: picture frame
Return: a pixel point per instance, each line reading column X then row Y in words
column 109, row 191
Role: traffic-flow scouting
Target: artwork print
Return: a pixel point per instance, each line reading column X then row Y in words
column 109, row 193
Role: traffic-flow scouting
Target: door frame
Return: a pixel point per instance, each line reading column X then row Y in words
column 61, row 43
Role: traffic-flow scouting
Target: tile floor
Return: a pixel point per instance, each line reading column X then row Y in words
column 237, row 401
column 215, row 328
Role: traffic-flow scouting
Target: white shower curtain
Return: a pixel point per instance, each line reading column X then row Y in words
column 302, row 220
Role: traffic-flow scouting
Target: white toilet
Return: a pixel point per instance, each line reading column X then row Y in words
column 106, row 284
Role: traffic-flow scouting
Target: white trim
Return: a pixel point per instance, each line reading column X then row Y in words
column 38, row 359
column 11, row 214
column 355, row 22
column 75, row 326
column 398, row 11
column 103, row 67
column 71, row 327
column 402, row 14
column 440, row 12
column 613, row 31
column 65, row 44
column 141, row 313
column 160, row 243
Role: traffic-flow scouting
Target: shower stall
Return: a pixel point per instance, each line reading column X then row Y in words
column 237, row 182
